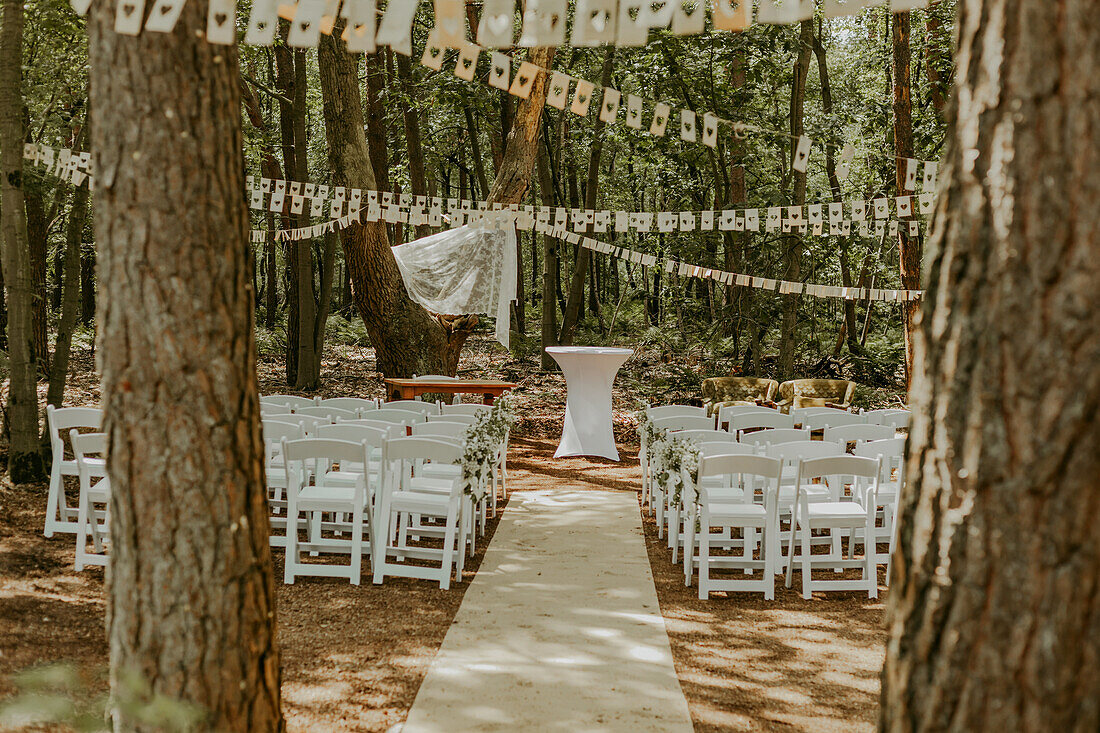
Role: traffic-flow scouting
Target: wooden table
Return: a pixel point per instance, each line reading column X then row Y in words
column 410, row 389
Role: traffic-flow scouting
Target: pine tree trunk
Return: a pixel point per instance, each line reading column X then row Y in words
column 376, row 119
column 909, row 248
column 24, row 459
column 572, row 315
column 993, row 613
column 191, row 603
column 412, row 110
column 792, row 260
column 406, row 338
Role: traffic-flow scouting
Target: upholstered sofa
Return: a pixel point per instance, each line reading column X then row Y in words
column 816, row 393
column 721, row 391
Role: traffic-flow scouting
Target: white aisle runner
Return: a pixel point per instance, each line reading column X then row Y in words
column 560, row 629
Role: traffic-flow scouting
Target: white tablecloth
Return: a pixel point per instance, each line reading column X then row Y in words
column 589, row 372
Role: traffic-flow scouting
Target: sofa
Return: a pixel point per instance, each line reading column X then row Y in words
column 836, row 393
column 721, row 391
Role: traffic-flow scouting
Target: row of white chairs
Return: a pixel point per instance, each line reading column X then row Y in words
column 403, row 496
column 89, row 519
column 753, row 482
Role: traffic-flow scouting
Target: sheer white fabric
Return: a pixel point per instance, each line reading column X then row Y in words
column 464, row 270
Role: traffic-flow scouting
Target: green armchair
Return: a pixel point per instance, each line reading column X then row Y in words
column 721, row 391
column 836, row 393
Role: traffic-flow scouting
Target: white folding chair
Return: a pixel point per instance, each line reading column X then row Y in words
column 801, row 413
column 845, row 434
column 268, row 409
column 355, row 404
column 774, row 436
column 891, row 452
column 274, row 433
column 668, row 417
column 465, row 409
column 455, row 398
column 453, row 417
column 740, row 424
column 897, row 419
column 855, row 517
column 726, row 510
column 658, row 411
column 332, row 414
column 90, row 519
column 306, row 504
column 308, row 423
column 292, row 401
column 727, row 411
column 424, row 408
column 398, row 415
column 402, row 494
column 60, row 517
column 832, row 419
column 398, row 425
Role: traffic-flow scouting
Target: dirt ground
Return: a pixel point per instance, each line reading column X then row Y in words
column 353, row 658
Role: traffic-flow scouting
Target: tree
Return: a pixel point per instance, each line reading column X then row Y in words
column 909, row 247
column 191, row 602
column 24, row 459
column 993, row 613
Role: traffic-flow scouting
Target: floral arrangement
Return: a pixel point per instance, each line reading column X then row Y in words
column 484, row 438
column 668, row 456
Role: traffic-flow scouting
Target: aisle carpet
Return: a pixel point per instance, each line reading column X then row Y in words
column 560, row 629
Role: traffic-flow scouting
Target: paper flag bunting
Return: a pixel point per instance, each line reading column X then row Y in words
column 710, row 130
column 360, row 30
column 582, row 97
column 687, row 125
column 557, row 91
column 910, row 174
column 802, row 154
column 660, row 119
column 128, row 17
column 836, row 8
column 630, row 30
column 543, row 23
column 731, row 15
column 80, row 7
column 466, row 64
column 523, row 80
column 594, row 22
column 395, row 30
column 433, row 53
column 165, row 14
column 845, row 166
column 929, row 182
column 495, row 29
column 450, row 23
column 305, row 29
column 609, row 108
column 657, row 13
column 634, row 111
column 500, row 75
column 689, row 17
column 783, row 12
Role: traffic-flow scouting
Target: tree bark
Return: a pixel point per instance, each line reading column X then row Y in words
column 376, row 118
column 24, row 459
column 993, row 612
column 792, row 258
column 407, row 340
column 191, row 602
column 38, row 225
column 909, row 247
column 415, row 149
column 550, row 266
column 937, row 62
column 573, row 305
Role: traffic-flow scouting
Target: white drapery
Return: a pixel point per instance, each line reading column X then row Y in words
column 464, row 270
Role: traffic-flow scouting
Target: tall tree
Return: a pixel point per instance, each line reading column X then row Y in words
column 572, row 314
column 792, row 255
column 407, row 340
column 24, row 459
column 909, row 247
column 191, row 602
column 994, row 615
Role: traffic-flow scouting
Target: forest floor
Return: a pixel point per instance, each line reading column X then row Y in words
column 354, row 657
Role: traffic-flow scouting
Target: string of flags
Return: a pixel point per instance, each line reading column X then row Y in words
column 876, row 216
column 637, row 110
column 673, row 266
column 543, row 22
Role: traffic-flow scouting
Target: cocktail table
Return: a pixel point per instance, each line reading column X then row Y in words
column 589, row 373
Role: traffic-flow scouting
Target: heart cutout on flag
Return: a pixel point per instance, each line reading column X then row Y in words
column 129, row 9
column 499, row 23
column 499, row 71
column 304, row 25
column 220, row 18
column 166, row 9
column 523, row 80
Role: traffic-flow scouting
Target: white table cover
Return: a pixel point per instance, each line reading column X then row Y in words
column 589, row 372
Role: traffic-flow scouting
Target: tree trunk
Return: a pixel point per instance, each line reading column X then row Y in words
column 937, row 62
column 38, row 226
column 413, row 146
column 573, row 305
column 191, row 602
column 909, row 248
column 87, row 284
column 70, row 299
column 993, row 612
column 285, row 82
column 24, row 459
column 792, row 257
column 376, row 118
column 550, row 266
column 475, row 150
column 406, row 338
